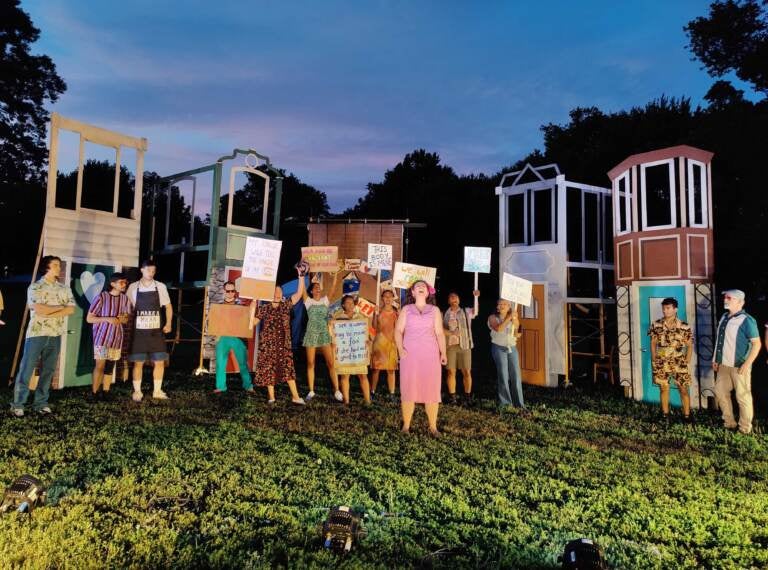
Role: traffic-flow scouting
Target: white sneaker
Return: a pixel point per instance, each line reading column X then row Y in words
column 299, row 402
column 339, row 396
column 17, row 412
column 309, row 396
column 45, row 411
column 271, row 402
column 137, row 396
column 159, row 395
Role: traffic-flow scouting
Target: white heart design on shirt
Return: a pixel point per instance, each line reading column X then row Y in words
column 92, row 284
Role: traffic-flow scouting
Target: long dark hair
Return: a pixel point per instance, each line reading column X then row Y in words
column 431, row 299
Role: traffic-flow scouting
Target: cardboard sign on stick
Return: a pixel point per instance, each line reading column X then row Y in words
column 516, row 289
column 262, row 257
column 321, row 258
column 407, row 273
column 229, row 320
column 255, row 289
column 351, row 342
column 379, row 256
column 365, row 307
column 477, row 259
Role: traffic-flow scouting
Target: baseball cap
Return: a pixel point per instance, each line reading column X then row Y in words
column 735, row 294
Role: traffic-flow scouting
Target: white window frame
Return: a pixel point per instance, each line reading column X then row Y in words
column 670, row 162
column 232, row 175
column 627, row 195
column 524, row 194
column 692, row 193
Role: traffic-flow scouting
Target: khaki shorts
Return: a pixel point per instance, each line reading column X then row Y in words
column 459, row 359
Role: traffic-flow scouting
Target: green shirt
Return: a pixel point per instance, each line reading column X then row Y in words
column 44, row 293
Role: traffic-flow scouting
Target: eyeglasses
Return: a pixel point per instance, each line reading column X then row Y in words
column 230, row 290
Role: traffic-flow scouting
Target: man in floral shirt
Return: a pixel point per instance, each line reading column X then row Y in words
column 50, row 303
column 671, row 352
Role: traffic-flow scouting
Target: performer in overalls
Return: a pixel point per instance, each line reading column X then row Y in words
column 149, row 297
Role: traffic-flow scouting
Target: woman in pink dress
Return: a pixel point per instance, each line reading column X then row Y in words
column 421, row 345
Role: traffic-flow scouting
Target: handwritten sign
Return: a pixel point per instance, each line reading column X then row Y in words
column 477, row 259
column 321, row 258
column 379, row 256
column 365, row 307
column 351, row 342
column 407, row 273
column 516, row 289
column 229, row 320
column 352, row 264
column 262, row 257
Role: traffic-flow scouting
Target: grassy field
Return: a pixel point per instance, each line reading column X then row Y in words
column 201, row 481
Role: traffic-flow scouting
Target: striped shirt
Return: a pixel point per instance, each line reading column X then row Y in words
column 734, row 338
column 106, row 305
column 459, row 325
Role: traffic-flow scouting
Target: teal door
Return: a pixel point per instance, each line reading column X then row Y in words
column 86, row 280
column 650, row 310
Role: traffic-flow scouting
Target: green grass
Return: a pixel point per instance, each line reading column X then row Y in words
column 227, row 482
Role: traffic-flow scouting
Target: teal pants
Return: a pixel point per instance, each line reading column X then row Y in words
column 223, row 346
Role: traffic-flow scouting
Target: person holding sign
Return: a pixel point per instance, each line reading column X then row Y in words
column 274, row 364
column 384, row 355
column 317, row 336
column 421, row 345
column 505, row 325
column 225, row 344
column 457, row 324
column 149, row 297
column 352, row 357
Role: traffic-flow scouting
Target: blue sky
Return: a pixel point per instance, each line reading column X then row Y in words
column 338, row 92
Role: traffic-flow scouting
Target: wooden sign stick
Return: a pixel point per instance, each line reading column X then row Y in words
column 477, row 300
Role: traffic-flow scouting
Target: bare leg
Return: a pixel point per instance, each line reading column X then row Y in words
column 365, row 387
column 432, row 410
column 391, row 381
column 344, row 381
column 686, row 399
column 271, row 393
column 98, row 375
column 328, row 355
column 374, row 379
column 157, row 379
column 665, row 399
column 407, row 410
column 293, row 389
column 311, row 368
column 107, row 380
column 450, row 380
column 466, row 377
column 138, row 371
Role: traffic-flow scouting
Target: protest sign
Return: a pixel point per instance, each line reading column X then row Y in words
column 321, row 258
column 351, row 338
column 516, row 289
column 407, row 273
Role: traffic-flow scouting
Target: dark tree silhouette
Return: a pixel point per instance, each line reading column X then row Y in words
column 733, row 37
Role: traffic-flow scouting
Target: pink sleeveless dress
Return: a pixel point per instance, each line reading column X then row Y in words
column 420, row 369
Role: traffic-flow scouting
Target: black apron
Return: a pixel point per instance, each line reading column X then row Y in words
column 148, row 335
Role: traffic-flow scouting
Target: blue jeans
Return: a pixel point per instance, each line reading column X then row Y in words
column 223, row 346
column 509, row 382
column 45, row 348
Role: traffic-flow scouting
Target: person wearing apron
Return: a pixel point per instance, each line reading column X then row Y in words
column 149, row 297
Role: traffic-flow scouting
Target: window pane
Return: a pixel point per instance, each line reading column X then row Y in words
column 203, row 208
column 180, row 221
column 698, row 194
column 583, row 282
column 574, row 220
column 126, row 183
column 591, row 226
column 516, row 219
column 658, row 196
column 66, row 177
column 99, row 170
column 248, row 200
column 542, row 212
